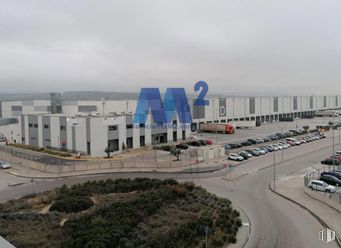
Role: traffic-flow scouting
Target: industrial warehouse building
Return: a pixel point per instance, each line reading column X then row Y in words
column 90, row 126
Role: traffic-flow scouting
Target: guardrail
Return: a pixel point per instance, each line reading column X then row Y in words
column 328, row 198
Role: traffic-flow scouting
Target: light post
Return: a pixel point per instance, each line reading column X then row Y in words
column 333, row 140
column 339, row 128
column 274, row 170
column 283, row 147
column 206, row 234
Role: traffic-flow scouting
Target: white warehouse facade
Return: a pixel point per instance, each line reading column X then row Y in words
column 90, row 126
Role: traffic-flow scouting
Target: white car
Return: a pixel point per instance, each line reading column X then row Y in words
column 4, row 165
column 279, row 147
column 275, row 147
column 284, row 145
column 262, row 152
column 236, row 157
column 321, row 186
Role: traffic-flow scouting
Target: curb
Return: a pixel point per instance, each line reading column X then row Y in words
column 323, row 202
column 249, row 233
column 117, row 172
column 324, row 224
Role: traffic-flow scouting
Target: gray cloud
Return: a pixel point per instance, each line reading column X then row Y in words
column 238, row 47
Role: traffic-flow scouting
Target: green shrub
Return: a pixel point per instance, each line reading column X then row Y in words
column 69, row 204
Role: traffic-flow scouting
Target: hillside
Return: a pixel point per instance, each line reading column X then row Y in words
column 122, row 213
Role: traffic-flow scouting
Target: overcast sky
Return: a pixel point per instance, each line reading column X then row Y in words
column 238, row 47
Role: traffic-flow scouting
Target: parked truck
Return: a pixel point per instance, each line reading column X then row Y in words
column 243, row 124
column 228, row 128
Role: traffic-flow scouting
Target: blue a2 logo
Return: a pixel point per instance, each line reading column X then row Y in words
column 175, row 100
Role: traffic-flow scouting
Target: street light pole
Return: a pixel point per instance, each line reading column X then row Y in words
column 274, row 169
column 283, row 147
column 206, row 234
column 333, row 140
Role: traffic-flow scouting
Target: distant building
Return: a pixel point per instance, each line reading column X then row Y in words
column 90, row 126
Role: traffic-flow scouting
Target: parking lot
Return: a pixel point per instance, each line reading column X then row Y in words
column 264, row 130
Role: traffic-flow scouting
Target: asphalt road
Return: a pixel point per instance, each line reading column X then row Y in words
column 275, row 222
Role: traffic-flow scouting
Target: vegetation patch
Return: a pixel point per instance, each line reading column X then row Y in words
column 43, row 150
column 122, row 213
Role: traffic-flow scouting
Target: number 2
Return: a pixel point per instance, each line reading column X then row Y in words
column 200, row 101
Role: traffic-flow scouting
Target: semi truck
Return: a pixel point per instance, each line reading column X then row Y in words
column 243, row 124
column 228, row 128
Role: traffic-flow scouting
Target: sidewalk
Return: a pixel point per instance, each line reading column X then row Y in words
column 19, row 169
column 293, row 187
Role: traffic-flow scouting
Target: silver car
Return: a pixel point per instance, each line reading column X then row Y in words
column 4, row 165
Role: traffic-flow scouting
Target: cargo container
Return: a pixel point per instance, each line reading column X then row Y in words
column 228, row 128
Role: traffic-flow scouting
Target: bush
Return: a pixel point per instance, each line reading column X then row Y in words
column 232, row 239
column 182, row 146
column 73, row 204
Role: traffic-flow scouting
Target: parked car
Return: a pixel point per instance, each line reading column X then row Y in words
column 284, row 145
column 195, row 143
column 265, row 148
column 330, row 180
column 279, row 147
column 266, row 139
column 4, row 165
column 253, row 153
column 270, row 148
column 253, row 141
column 274, row 147
column 236, row 157
column 292, row 143
column 332, row 173
column 321, row 186
column 259, row 140
column 329, row 161
column 337, row 157
column 246, row 143
column 245, row 155
column 227, row 146
column 182, row 146
column 209, row 142
column 262, row 152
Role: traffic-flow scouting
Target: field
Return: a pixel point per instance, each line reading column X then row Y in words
column 122, row 213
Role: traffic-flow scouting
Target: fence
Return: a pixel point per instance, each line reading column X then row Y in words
column 333, row 199
column 47, row 163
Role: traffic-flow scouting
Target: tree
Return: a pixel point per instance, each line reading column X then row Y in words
column 175, row 152
column 108, row 151
column 306, row 128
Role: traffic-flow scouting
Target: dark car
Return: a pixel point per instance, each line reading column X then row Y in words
column 202, row 142
column 266, row 139
column 227, row 146
column 279, row 135
column 270, row 148
column 265, row 148
column 334, row 174
column 330, row 180
column 252, row 141
column 244, row 154
column 330, row 161
column 195, row 143
column 253, row 153
column 182, row 146
column 246, row 143
column 234, row 146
